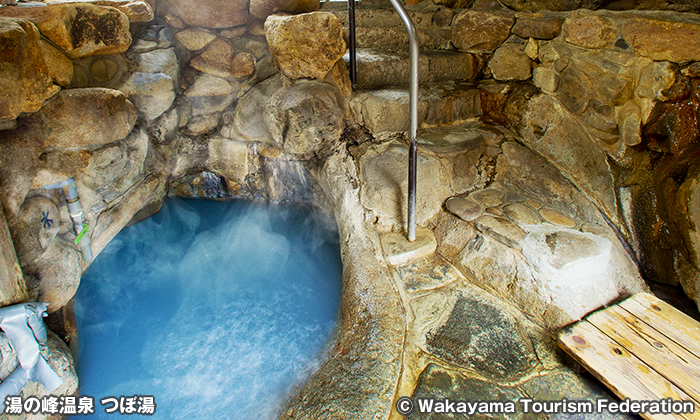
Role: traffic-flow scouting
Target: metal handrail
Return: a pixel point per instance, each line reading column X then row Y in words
column 351, row 39
column 413, row 117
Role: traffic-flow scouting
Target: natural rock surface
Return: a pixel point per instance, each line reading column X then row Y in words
column 659, row 40
column 306, row 45
column 80, row 29
column 476, row 31
column 216, row 59
column 24, row 77
column 306, row 117
column 211, row 14
column 261, row 9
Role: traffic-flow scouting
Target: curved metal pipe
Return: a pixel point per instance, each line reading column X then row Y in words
column 413, row 117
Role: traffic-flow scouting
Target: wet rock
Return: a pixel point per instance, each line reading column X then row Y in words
column 105, row 115
column 538, row 28
column 229, row 159
column 480, row 32
column 443, row 17
column 203, row 124
column 384, row 186
column 655, row 80
column 557, row 218
column 264, row 8
column 194, row 39
column 243, row 65
column 522, row 214
column 216, row 59
column 442, row 383
column 488, row 197
column 510, row 62
column 211, row 13
column 158, row 61
column 306, row 117
column 152, row 93
column 501, row 229
column 35, row 228
column 80, row 29
column 588, row 30
column 248, row 122
column 477, row 334
column 164, row 128
column 306, row 45
column 568, row 146
column 659, row 39
column 60, row 68
column 466, row 208
column 24, row 77
column 207, row 85
column 58, row 272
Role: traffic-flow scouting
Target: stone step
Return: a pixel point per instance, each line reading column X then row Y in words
column 376, row 69
column 379, row 26
column 385, row 111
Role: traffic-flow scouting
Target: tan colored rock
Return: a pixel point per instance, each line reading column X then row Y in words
column 216, row 59
column 211, row 13
column 510, row 63
column 194, row 39
column 306, row 45
column 629, row 122
column 588, row 30
column 556, row 217
column 59, row 66
column 261, row 9
column 339, row 76
column 522, row 214
column 538, row 28
column 384, row 186
column 662, row 40
column 136, row 11
column 465, row 208
column 243, row 65
column 208, row 85
column 58, row 272
column 152, row 93
column 233, row 33
column 80, row 29
column 25, row 81
column 655, row 80
column 488, row 197
column 59, row 165
column 306, row 118
column 480, row 32
column 104, row 115
column 545, row 78
column 174, row 21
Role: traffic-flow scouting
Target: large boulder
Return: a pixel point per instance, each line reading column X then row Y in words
column 58, row 273
column 83, row 117
column 557, row 5
column 81, row 29
column 25, row 80
column 211, row 13
column 137, row 11
column 306, row 45
column 306, row 117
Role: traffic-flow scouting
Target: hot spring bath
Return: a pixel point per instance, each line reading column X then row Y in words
column 213, row 308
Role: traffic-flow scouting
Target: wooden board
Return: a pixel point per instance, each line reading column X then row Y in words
column 661, row 353
column 672, row 322
column 642, row 349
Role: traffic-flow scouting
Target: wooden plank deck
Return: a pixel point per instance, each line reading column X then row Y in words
column 642, row 349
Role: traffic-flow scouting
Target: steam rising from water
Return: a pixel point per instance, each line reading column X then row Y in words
column 217, row 309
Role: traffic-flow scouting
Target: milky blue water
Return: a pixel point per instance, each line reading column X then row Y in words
column 217, row 309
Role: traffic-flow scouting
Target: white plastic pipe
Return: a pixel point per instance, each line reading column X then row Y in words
column 75, row 209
